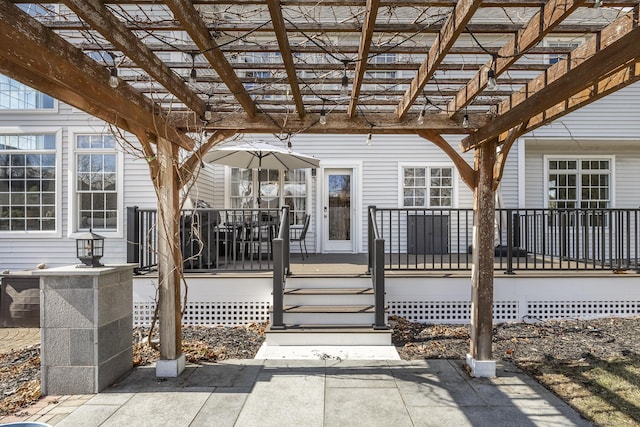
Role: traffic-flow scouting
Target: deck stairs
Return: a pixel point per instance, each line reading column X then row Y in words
column 329, row 310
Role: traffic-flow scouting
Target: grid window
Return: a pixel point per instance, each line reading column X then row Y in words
column 16, row 96
column 276, row 189
column 436, row 191
column 27, row 183
column 96, row 182
column 579, row 183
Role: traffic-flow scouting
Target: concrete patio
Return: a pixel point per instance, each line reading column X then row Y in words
column 315, row 393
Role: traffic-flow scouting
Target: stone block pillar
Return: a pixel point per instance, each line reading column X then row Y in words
column 86, row 318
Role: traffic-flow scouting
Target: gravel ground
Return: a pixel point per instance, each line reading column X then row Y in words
column 524, row 343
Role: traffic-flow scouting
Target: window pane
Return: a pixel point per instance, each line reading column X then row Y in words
column 27, row 181
column 96, row 178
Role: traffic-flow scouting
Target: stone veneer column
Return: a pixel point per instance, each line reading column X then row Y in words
column 86, row 320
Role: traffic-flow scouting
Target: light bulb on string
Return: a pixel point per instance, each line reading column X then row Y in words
column 208, row 115
column 113, row 78
column 465, row 121
column 344, row 86
column 369, row 138
column 421, row 116
column 323, row 117
column 491, row 79
column 193, row 75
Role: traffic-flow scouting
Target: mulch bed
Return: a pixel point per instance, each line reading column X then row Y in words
column 534, row 346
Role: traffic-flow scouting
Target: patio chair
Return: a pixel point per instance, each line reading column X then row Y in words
column 301, row 235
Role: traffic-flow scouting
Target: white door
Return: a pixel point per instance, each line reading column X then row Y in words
column 338, row 211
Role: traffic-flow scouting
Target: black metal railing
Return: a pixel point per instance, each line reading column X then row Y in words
column 525, row 239
column 210, row 239
column 281, row 269
column 376, row 268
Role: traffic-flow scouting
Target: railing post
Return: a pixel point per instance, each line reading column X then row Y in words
column 378, row 285
column 287, row 243
column 371, row 211
column 509, row 242
column 133, row 235
column 278, row 284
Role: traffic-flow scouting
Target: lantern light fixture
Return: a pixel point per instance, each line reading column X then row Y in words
column 89, row 248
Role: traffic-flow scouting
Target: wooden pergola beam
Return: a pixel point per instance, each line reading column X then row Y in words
column 616, row 45
column 456, row 22
column 199, row 33
column 543, row 22
column 35, row 55
column 392, row 28
column 275, row 9
column 102, row 20
column 378, row 123
column 366, row 36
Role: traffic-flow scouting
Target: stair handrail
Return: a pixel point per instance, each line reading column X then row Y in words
column 376, row 268
column 281, row 267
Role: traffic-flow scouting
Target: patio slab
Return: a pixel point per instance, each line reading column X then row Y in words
column 318, row 393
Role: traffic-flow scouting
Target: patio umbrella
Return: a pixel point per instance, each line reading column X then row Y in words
column 260, row 155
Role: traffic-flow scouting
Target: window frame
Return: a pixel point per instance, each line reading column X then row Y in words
column 73, row 215
column 578, row 159
column 428, row 166
column 254, row 181
column 52, row 110
column 37, row 234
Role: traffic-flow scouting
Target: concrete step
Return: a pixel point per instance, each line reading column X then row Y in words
column 361, row 315
column 316, row 282
column 328, row 296
column 328, row 291
column 332, row 335
column 329, row 309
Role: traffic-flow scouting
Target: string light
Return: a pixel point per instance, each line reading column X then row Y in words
column 113, row 78
column 208, row 115
column 344, row 90
column 491, row 76
column 193, row 75
column 598, row 3
column 422, row 115
column 465, row 121
column 369, row 137
column 323, row 115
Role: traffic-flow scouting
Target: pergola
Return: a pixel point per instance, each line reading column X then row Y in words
column 169, row 70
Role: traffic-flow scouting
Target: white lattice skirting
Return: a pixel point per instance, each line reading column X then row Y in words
column 231, row 302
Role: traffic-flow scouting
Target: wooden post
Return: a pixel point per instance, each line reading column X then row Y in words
column 171, row 361
column 480, row 355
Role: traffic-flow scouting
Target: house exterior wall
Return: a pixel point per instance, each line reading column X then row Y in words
column 608, row 127
column 25, row 250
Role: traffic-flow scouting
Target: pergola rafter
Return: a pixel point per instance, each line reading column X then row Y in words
column 550, row 15
column 371, row 13
column 617, row 44
column 455, row 24
column 98, row 17
column 199, row 33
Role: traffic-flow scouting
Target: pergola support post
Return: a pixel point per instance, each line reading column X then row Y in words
column 172, row 361
column 480, row 355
